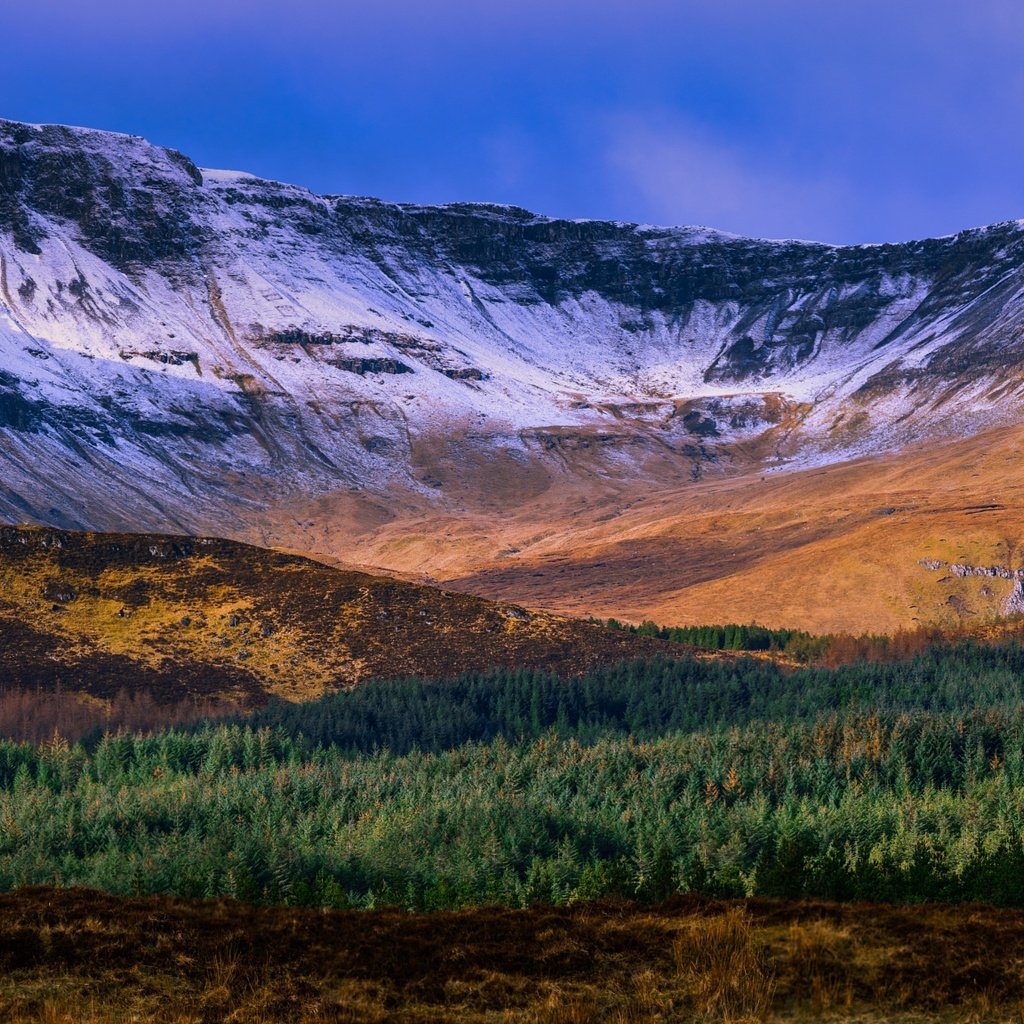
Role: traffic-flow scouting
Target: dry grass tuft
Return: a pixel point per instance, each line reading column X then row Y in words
column 725, row 971
column 561, row 1008
column 820, row 958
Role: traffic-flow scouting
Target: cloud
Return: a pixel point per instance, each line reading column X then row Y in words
column 685, row 176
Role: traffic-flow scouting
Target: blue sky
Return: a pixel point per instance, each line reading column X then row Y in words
column 843, row 121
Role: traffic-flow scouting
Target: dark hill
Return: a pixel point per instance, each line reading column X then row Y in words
column 184, row 617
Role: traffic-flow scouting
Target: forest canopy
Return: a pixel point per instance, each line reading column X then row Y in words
column 901, row 781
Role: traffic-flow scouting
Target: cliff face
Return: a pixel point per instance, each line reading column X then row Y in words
column 182, row 349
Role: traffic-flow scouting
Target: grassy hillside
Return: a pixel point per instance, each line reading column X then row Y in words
column 825, row 549
column 184, row 618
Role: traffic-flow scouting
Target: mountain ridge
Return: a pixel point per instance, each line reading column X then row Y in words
column 208, row 352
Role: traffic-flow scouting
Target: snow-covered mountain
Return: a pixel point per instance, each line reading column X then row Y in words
column 182, row 348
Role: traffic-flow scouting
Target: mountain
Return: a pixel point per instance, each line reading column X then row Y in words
column 195, row 617
column 579, row 415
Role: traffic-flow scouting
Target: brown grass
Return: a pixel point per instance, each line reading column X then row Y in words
column 724, row 969
column 73, row 956
column 188, row 619
column 820, row 956
column 35, row 716
column 830, row 549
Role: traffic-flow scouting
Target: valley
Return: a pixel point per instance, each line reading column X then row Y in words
column 839, row 548
column 314, row 510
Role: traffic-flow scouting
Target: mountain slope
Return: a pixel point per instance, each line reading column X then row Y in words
column 931, row 535
column 206, row 352
column 186, row 617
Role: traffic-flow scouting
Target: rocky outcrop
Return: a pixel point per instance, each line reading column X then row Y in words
column 1012, row 605
column 364, row 365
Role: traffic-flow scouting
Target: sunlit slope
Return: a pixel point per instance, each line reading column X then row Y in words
column 178, row 616
column 929, row 536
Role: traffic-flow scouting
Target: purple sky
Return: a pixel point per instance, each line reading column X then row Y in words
column 847, row 121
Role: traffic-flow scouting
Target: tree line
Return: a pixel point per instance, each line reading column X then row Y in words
column 828, row 649
column 894, row 781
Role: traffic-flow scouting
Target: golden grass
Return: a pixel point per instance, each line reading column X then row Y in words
column 726, row 973
column 184, row 617
column 829, row 549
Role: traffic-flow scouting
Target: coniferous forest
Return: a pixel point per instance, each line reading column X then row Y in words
column 901, row 781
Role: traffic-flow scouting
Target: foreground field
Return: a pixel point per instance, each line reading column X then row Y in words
column 79, row 957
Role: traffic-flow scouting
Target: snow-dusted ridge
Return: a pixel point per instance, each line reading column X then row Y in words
column 180, row 348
